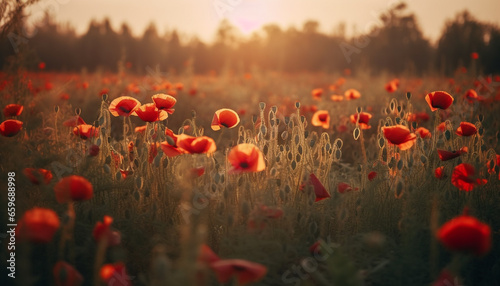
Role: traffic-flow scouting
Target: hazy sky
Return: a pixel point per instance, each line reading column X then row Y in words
column 201, row 17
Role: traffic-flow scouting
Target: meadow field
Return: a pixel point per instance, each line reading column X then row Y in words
column 250, row 178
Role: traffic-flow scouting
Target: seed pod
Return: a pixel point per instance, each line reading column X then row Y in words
column 356, row 133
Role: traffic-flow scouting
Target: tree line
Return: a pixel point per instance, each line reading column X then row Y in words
column 395, row 45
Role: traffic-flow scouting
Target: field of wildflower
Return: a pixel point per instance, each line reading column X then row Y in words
column 250, row 178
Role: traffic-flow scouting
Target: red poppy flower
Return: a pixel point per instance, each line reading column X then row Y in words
column 38, row 225
column 399, row 135
column 321, row 118
column 225, row 117
column 438, row 172
column 94, row 150
column 372, row 175
column 12, row 110
column 150, row 113
column 261, row 214
column 344, row 188
column 165, row 102
column 246, row 157
column 41, row 65
column 73, row 188
column 317, row 93
column 102, row 230
column 66, row 275
column 124, row 106
column 423, row 132
column 114, row 274
column 472, row 95
column 466, row 234
column 196, row 145
column 207, row 255
column 74, row 121
column 392, row 86
column 364, row 118
column 466, row 129
column 418, row 117
column 245, row 271
column 37, row 176
column 171, row 150
column 351, row 94
column 474, row 56
column 441, row 127
column 117, row 158
column 448, row 155
column 491, row 167
column 86, row 131
column 439, row 100
column 337, row 98
column 319, row 190
column 10, row 127
column 140, row 129
column 465, row 179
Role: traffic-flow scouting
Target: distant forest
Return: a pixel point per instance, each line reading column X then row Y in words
column 395, row 45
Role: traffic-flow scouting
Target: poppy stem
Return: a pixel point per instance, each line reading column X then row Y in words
column 67, row 230
column 99, row 259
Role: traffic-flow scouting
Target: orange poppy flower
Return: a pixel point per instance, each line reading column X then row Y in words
column 10, row 127
column 86, row 131
column 74, row 121
column 225, row 117
column 245, row 271
column 466, row 129
column 196, row 145
column 207, row 255
column 321, row 118
column 124, row 106
column 66, row 275
column 438, row 172
column 38, row 225
column 170, row 147
column 246, row 157
column 102, row 230
column 392, row 86
column 464, row 177
column 73, row 188
column 466, row 234
column 448, row 155
column 351, row 94
column 165, row 102
column 439, row 100
column 345, row 188
column 117, row 158
column 399, row 135
column 37, row 176
column 12, row 110
column 317, row 93
column 337, row 98
column 364, row 119
column 423, row 132
column 114, row 272
column 150, row 113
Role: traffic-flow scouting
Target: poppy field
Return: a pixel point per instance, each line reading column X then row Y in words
column 254, row 178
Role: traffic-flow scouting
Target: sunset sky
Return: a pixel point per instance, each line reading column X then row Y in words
column 201, row 17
